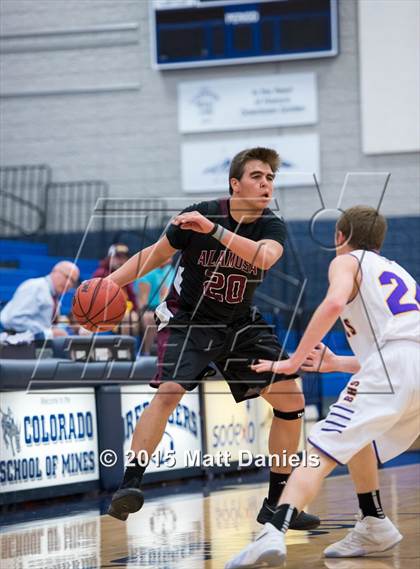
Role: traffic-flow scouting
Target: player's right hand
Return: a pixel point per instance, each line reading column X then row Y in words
column 194, row 221
column 321, row 359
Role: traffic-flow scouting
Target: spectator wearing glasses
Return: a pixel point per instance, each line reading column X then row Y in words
column 34, row 306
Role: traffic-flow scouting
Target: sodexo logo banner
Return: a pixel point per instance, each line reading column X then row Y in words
column 231, row 427
column 48, row 439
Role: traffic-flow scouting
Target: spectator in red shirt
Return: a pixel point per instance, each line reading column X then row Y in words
column 118, row 254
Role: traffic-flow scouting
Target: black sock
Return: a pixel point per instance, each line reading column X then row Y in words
column 370, row 504
column 133, row 475
column 277, row 484
column 284, row 516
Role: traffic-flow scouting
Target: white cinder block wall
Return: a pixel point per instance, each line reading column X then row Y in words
column 92, row 108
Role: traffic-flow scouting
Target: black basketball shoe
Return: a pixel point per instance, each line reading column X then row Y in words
column 125, row 501
column 303, row 521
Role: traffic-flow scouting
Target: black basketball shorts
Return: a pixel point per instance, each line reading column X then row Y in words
column 186, row 348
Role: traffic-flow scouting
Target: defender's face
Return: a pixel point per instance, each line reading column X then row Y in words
column 256, row 184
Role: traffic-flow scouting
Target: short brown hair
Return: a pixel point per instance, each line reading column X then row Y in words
column 363, row 227
column 267, row 155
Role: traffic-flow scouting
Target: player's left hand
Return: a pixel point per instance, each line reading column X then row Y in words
column 194, row 221
column 283, row 366
column 321, row 359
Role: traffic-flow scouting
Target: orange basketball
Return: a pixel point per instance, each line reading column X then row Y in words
column 99, row 305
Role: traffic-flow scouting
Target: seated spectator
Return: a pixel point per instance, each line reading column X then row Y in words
column 118, row 254
column 34, row 307
column 152, row 290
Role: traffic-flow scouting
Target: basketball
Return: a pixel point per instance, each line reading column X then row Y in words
column 99, row 304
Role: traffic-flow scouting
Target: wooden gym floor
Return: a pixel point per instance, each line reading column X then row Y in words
column 189, row 531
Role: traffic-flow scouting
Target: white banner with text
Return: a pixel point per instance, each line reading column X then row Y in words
column 260, row 101
column 48, row 438
column 205, row 165
column 180, row 446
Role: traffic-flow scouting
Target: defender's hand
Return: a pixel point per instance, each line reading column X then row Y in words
column 284, row 366
column 194, row 221
column 321, row 359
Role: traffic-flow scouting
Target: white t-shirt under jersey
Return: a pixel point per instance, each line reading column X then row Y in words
column 386, row 308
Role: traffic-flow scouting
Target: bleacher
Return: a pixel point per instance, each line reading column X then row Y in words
column 22, row 260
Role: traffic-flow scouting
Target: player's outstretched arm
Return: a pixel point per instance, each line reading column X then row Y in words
column 342, row 276
column 143, row 262
column 262, row 254
column 324, row 360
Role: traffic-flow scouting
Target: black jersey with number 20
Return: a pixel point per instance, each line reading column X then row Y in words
column 212, row 282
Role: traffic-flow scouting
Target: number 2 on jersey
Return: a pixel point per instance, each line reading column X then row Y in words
column 400, row 289
column 215, row 287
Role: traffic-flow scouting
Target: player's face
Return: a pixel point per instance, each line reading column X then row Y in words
column 256, row 185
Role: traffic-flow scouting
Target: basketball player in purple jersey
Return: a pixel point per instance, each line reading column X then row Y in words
column 227, row 246
column 376, row 415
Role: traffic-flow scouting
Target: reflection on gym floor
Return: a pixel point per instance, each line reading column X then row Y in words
column 190, row 531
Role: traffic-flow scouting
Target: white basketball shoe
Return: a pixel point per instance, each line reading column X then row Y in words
column 269, row 547
column 369, row 535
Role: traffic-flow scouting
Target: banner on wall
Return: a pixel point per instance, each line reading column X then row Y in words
column 48, row 438
column 240, row 431
column 180, row 446
column 263, row 101
column 231, row 428
column 205, row 165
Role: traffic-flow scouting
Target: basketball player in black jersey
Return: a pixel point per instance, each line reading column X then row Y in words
column 227, row 245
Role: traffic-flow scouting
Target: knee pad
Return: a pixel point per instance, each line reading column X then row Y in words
column 289, row 415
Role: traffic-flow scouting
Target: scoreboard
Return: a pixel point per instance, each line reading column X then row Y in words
column 197, row 33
